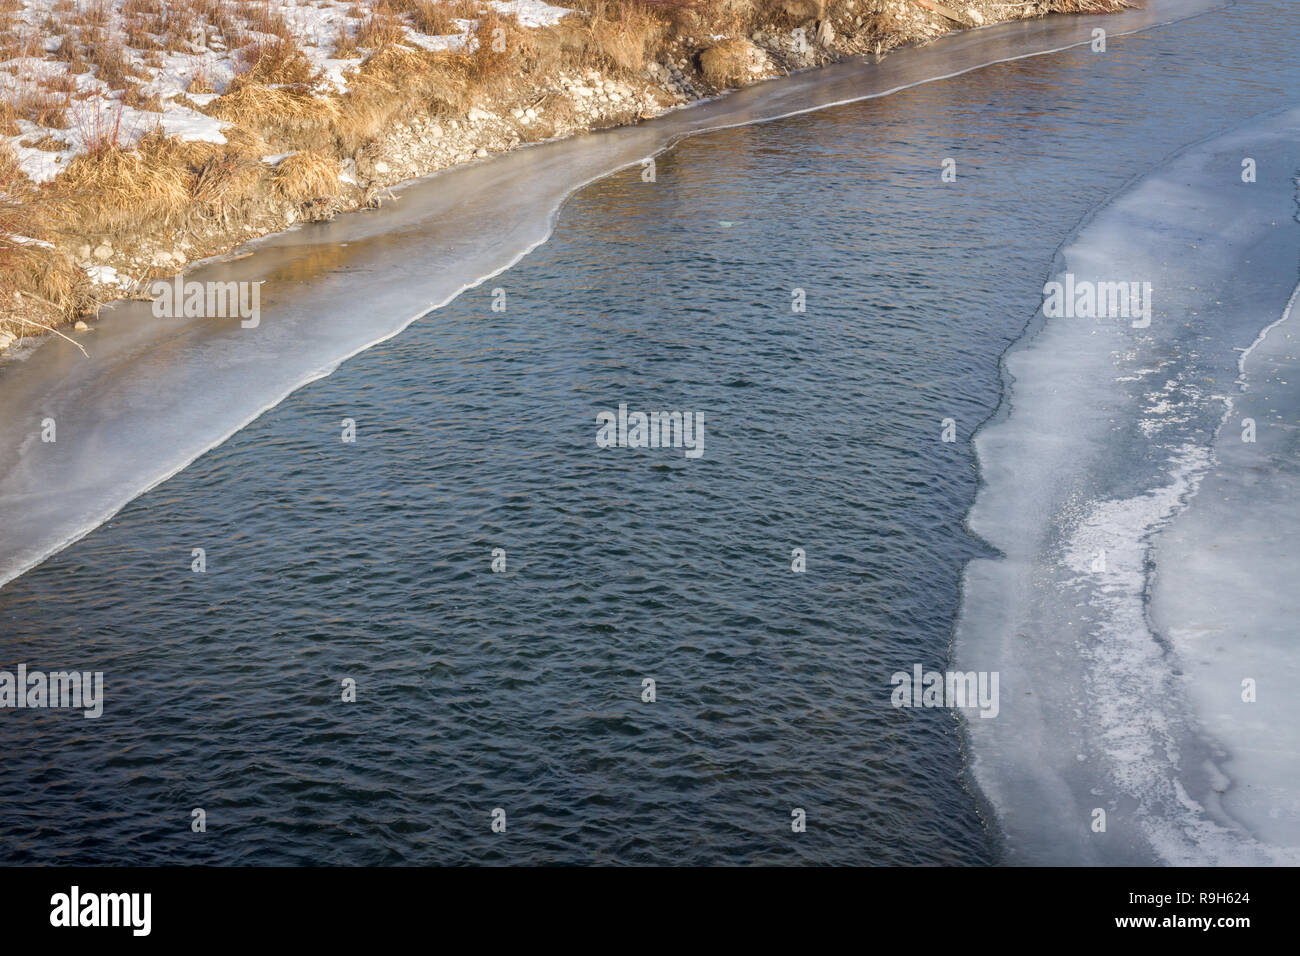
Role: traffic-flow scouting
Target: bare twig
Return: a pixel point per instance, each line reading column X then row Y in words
column 39, row 325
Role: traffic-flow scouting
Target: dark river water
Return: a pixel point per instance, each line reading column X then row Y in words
column 475, row 430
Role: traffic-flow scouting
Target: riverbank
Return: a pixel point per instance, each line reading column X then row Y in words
column 209, row 124
column 475, row 430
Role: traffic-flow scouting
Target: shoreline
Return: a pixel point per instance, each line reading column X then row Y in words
column 1087, row 565
column 322, row 269
column 1006, row 398
column 289, row 164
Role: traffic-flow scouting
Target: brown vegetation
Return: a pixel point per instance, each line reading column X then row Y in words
column 137, row 186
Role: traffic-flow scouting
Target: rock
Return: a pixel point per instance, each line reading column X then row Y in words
column 825, row 33
column 531, row 113
column 103, row 252
column 162, row 259
column 481, row 153
column 381, row 167
column 83, row 251
column 81, row 326
column 477, row 115
column 6, row 340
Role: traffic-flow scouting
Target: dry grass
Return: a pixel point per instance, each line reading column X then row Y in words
column 382, row 29
column 111, row 62
column 226, row 180
column 306, row 176
column 290, row 117
column 259, row 16
column 345, row 47
column 114, row 185
column 42, row 107
column 727, row 64
column 278, row 61
column 199, row 83
column 159, row 188
column 623, row 32
column 428, row 16
column 499, row 38
column 47, row 276
column 33, row 277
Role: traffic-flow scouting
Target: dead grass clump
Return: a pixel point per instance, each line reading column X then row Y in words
column 278, row 61
column 429, row 16
column 263, row 18
column 226, row 180
column 116, row 189
column 370, row 106
column 136, row 98
column 199, row 83
column 245, row 142
column 306, row 176
column 381, row 29
column 290, row 117
column 498, row 41
column 727, row 64
column 47, row 276
column 13, row 190
column 398, row 66
column 400, row 82
column 112, row 63
column 42, row 107
column 733, row 17
column 624, row 33
column 228, row 190
column 345, row 48
column 95, row 14
column 8, row 119
column 69, row 51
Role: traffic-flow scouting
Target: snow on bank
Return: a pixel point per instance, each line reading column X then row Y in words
column 172, row 64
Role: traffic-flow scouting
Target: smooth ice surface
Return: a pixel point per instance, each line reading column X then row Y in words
column 1224, row 593
column 1109, row 431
